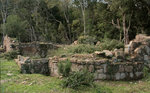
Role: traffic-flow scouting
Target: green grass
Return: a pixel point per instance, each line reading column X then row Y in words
column 12, row 81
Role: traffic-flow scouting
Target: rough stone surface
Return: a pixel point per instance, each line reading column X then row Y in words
column 117, row 76
column 29, row 66
column 102, row 69
column 139, row 48
column 119, row 53
column 104, row 53
column 101, row 76
column 8, row 44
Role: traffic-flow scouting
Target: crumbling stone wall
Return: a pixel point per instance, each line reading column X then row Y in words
column 8, row 44
column 33, row 48
column 29, row 66
column 36, row 48
column 139, row 49
column 103, row 69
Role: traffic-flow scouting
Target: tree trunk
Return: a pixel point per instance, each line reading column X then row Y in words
column 4, row 17
column 126, row 30
column 117, row 25
column 83, row 15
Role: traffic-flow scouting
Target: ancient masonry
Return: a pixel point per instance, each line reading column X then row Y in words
column 34, row 48
column 102, row 68
column 106, row 65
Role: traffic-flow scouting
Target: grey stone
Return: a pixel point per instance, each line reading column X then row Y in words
column 117, row 76
column 128, row 68
column 131, row 75
column 138, row 74
column 105, row 68
column 101, row 76
column 146, row 58
column 100, row 71
column 122, row 75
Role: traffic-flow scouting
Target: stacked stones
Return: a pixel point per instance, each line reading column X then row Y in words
column 29, row 66
column 139, row 48
column 103, row 69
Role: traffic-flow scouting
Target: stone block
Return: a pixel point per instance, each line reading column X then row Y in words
column 139, row 74
column 91, row 68
column 146, row 58
column 101, row 76
column 131, row 75
column 117, row 76
column 105, row 68
column 128, row 68
column 121, row 68
column 100, row 71
column 122, row 76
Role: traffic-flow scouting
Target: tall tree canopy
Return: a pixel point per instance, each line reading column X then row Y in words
column 64, row 21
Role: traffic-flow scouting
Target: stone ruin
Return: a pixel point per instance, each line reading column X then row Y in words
column 139, row 49
column 31, row 66
column 120, row 64
column 9, row 44
column 103, row 69
column 27, row 49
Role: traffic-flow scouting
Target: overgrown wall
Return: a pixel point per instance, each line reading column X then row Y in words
column 102, row 69
column 29, row 66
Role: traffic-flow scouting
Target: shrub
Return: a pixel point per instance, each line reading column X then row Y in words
column 111, row 44
column 86, row 40
column 9, row 55
column 64, row 68
column 83, row 48
column 73, row 49
column 78, row 79
column 146, row 71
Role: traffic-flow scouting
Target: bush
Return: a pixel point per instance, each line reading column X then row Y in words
column 76, row 49
column 146, row 72
column 86, row 40
column 9, row 55
column 78, row 79
column 83, row 48
column 111, row 44
column 64, row 68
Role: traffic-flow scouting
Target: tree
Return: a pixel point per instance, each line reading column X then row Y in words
column 15, row 27
column 124, row 9
column 4, row 13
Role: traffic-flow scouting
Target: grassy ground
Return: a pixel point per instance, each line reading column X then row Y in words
column 14, row 82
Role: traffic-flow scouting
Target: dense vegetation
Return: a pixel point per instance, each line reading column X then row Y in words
column 64, row 21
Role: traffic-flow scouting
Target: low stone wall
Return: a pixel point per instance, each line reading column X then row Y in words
column 29, row 66
column 103, row 69
column 36, row 48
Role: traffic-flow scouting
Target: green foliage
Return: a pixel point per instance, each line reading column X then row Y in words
column 103, row 90
column 16, row 27
column 61, row 21
column 9, row 55
column 64, row 68
column 73, row 49
column 83, row 48
column 146, row 72
column 78, row 79
column 86, row 40
column 108, row 44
